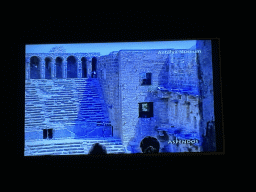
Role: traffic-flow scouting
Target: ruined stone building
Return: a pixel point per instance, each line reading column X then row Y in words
column 134, row 94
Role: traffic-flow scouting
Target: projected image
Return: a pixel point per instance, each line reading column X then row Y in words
column 119, row 98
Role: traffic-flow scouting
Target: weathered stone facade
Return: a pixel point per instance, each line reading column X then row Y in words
column 173, row 90
column 51, row 59
column 144, row 93
column 206, row 105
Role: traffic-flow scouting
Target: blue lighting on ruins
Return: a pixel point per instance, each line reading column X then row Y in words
column 135, row 97
column 106, row 48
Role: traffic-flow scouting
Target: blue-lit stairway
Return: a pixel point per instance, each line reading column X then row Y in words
column 73, row 108
column 71, row 147
column 93, row 117
column 67, row 106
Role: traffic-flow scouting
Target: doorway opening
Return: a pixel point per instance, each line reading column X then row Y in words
column 59, row 68
column 71, row 67
column 149, row 145
column 94, row 67
column 47, row 134
column 47, row 68
column 34, row 68
column 94, row 64
column 84, row 68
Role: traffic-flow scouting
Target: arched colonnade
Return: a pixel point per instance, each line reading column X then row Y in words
column 59, row 66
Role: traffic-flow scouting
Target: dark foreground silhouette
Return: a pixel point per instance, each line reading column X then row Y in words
column 97, row 149
column 149, row 145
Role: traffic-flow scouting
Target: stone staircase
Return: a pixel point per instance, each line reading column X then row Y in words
column 74, row 109
column 92, row 109
column 74, row 105
column 71, row 146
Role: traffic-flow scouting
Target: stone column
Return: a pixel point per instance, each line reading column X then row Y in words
column 27, row 68
column 79, row 68
column 42, row 69
column 89, row 67
column 64, row 68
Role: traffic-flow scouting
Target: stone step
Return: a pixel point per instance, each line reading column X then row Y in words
column 31, row 109
column 64, row 104
column 31, row 119
column 37, row 151
column 64, row 152
column 73, row 148
column 54, row 147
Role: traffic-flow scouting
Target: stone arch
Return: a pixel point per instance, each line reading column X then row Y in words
column 149, row 145
column 59, row 67
column 72, row 67
column 35, row 66
column 94, row 64
column 84, row 67
column 48, row 67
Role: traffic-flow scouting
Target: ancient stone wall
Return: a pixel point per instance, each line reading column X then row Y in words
column 51, row 57
column 206, row 102
column 108, row 74
column 133, row 65
column 183, row 111
column 131, row 79
column 183, row 71
column 70, row 107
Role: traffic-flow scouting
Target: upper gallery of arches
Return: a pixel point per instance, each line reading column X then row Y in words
column 34, row 68
column 72, row 67
column 48, row 62
column 64, row 56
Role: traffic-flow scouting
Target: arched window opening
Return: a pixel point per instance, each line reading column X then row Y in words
column 84, row 68
column 71, row 67
column 59, row 68
column 34, row 68
column 150, row 145
column 94, row 64
column 48, row 68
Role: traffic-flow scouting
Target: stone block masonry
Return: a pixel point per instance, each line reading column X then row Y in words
column 108, row 75
column 131, row 65
column 71, row 146
column 121, row 74
column 64, row 105
column 183, row 72
column 183, row 111
column 136, row 93
column 205, row 77
column 59, row 65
